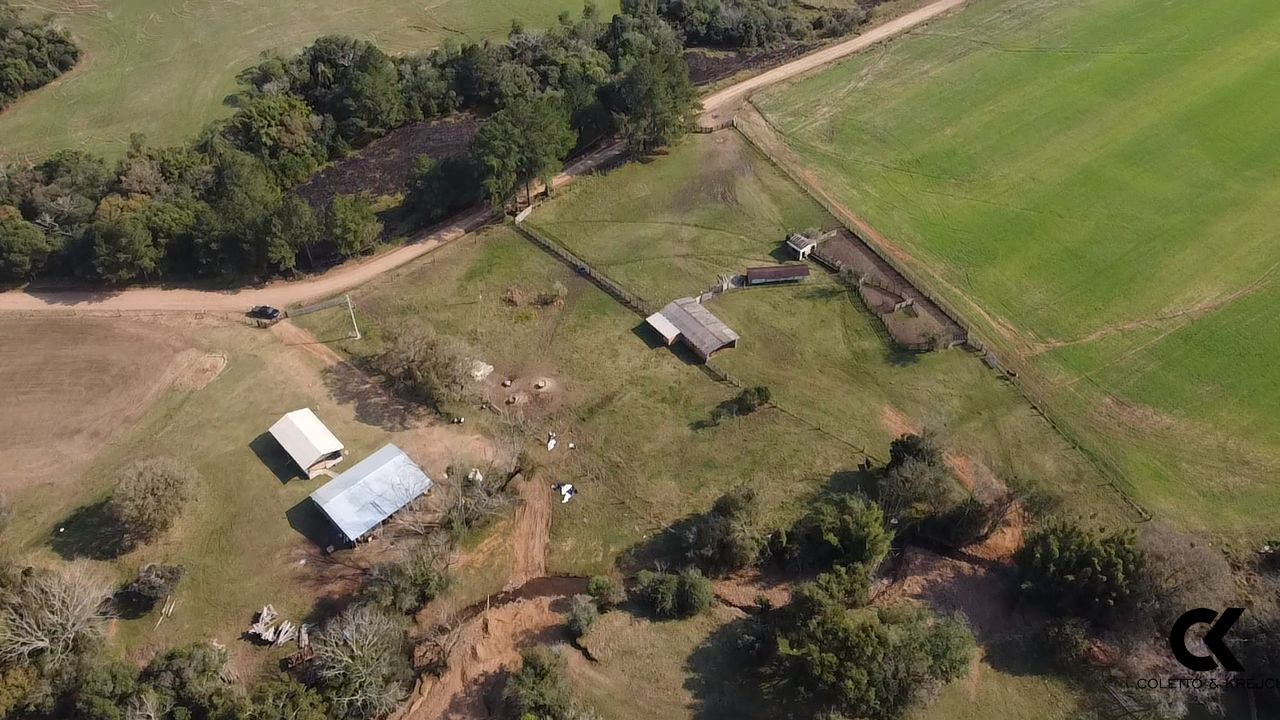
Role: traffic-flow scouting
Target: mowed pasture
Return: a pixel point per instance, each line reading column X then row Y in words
column 645, row 456
column 165, row 69
column 1092, row 185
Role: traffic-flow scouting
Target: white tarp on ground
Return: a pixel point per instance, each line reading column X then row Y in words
column 306, row 439
column 371, row 491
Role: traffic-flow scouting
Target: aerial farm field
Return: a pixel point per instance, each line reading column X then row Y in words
column 163, row 69
column 1092, row 185
column 644, row 454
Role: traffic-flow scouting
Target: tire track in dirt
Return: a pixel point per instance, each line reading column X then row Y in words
column 532, row 533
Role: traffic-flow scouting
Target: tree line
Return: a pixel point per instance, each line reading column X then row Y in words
column 32, row 54
column 219, row 206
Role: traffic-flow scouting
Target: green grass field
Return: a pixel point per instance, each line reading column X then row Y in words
column 666, row 228
column 1100, row 178
column 164, row 69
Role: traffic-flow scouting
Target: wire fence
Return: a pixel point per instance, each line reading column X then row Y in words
column 541, row 238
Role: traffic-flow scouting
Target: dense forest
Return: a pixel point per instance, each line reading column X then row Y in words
column 31, row 54
column 220, row 205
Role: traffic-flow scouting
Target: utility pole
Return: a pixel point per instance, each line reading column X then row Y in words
column 352, row 311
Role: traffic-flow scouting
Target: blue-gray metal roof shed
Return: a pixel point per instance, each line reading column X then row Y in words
column 371, row 491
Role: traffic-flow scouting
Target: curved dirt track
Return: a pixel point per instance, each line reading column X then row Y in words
column 718, row 108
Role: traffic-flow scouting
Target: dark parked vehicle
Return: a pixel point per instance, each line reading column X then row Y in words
column 265, row 312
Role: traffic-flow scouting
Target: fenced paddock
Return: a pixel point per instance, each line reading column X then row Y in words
column 913, row 321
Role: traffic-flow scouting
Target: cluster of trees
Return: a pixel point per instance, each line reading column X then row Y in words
column 32, row 54
column 220, row 205
column 755, row 23
column 828, row 654
column 426, row 366
column 1123, row 588
column 209, row 208
column 918, row 491
column 53, row 665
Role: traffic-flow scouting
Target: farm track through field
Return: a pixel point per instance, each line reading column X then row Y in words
column 717, row 108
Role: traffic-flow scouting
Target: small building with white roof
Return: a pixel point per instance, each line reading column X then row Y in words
column 308, row 441
column 371, row 491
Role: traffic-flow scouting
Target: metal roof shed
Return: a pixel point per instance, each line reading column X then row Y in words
column 371, row 491
column 308, row 441
column 664, row 327
column 703, row 332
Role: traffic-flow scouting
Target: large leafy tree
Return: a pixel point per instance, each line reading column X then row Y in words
column 655, row 100
column 866, row 662
column 351, row 81
column 283, row 132
column 24, row 247
column 351, row 225
column 839, row 529
column 1081, row 572
column 524, row 141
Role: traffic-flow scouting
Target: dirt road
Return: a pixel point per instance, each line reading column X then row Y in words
column 717, row 108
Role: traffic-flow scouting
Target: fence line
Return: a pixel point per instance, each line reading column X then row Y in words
column 839, row 214
column 636, row 304
column 1028, row 388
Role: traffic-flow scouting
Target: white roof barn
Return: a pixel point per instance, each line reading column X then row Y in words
column 308, row 441
column 371, row 491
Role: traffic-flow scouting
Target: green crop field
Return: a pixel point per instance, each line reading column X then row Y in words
column 164, row 69
column 1092, row 184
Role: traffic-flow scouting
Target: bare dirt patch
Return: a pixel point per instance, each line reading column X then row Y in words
column 897, row 422
column 489, row 647
column 532, row 532
column 983, row 594
column 72, row 384
column 383, row 166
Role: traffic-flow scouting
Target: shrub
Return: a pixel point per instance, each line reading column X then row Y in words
column 725, row 539
column 540, row 688
column 150, row 495
column 1074, row 571
column 606, row 592
column 582, row 616
column 155, row 582
column 405, row 586
column 840, row 529
column 670, row 595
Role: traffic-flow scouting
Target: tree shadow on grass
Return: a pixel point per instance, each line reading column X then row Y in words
column 722, row 680
column 374, row 403
column 90, row 531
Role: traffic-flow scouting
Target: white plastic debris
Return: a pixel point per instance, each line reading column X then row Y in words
column 551, row 442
